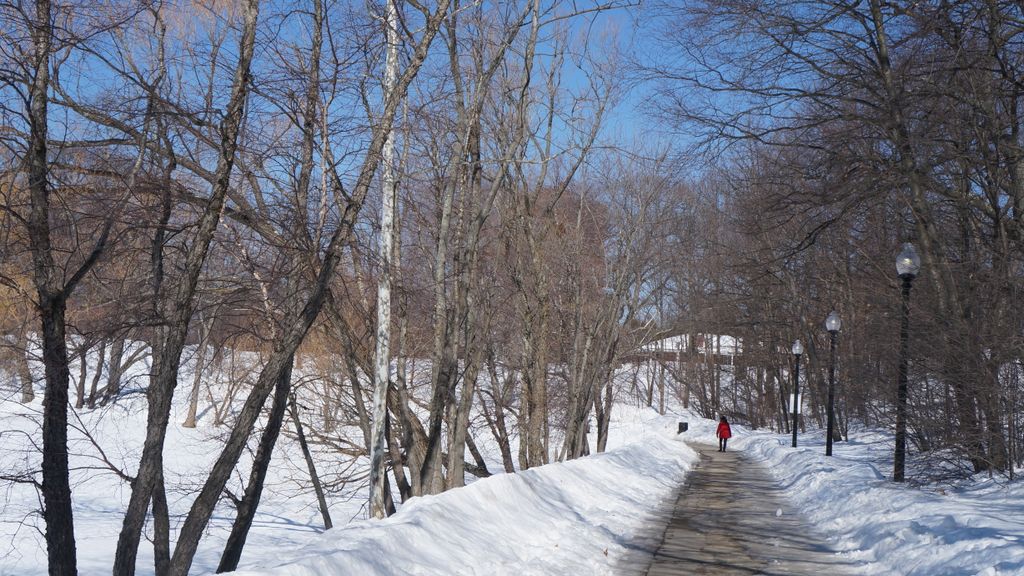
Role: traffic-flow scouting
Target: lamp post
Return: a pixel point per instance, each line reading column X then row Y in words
column 798, row 349
column 908, row 263
column 832, row 324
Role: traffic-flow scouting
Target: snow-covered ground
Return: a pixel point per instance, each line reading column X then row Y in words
column 563, row 518
column 112, row 436
column 895, row 529
column 580, row 517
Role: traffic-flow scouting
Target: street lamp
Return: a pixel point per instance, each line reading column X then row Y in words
column 908, row 263
column 798, row 349
column 832, row 324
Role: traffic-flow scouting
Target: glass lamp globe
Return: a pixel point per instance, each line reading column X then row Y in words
column 833, row 323
column 908, row 263
column 798, row 348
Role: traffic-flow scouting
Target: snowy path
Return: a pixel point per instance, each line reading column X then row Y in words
column 732, row 518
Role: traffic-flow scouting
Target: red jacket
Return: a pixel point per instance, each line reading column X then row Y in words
column 723, row 430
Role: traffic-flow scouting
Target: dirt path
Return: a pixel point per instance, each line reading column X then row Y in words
column 731, row 518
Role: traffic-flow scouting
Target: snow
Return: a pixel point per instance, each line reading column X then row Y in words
column 896, row 529
column 704, row 343
column 594, row 515
column 116, row 432
column 585, row 516
column 581, row 517
column 560, row 518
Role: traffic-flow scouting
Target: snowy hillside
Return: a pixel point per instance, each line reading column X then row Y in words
column 562, row 518
column 588, row 516
column 108, row 438
column 585, row 516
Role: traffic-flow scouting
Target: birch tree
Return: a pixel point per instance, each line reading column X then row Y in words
column 382, row 364
column 295, row 330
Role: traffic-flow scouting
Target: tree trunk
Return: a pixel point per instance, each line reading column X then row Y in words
column 52, row 301
column 91, row 402
column 28, row 392
column 166, row 362
column 522, row 422
column 604, row 416
column 397, row 463
column 60, row 534
column 716, row 385
column 83, row 372
column 661, row 389
column 197, row 375
column 261, row 463
column 683, row 369
column 500, row 428
column 382, row 357
column 455, row 314
column 414, row 437
column 310, row 466
column 459, row 427
column 114, row 372
column 161, row 527
column 580, row 393
column 481, row 464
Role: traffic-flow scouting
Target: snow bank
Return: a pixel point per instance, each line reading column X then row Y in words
column 579, row 517
column 896, row 529
column 582, row 517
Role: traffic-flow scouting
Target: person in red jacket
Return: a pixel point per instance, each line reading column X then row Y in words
column 723, row 433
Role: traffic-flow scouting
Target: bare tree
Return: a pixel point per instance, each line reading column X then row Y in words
column 848, row 114
column 178, row 310
column 382, row 356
